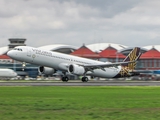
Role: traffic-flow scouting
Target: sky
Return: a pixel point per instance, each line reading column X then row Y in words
column 77, row 22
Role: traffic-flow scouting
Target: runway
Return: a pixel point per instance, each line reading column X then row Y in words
column 79, row 83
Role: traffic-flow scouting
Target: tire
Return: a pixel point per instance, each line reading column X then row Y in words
column 84, row 79
column 65, row 79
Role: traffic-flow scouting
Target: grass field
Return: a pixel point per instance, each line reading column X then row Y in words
column 79, row 103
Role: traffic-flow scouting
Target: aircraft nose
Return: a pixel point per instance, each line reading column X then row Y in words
column 10, row 53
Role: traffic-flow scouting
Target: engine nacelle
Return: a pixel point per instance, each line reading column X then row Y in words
column 46, row 70
column 76, row 69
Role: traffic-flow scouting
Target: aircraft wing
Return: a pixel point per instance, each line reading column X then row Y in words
column 133, row 56
column 95, row 66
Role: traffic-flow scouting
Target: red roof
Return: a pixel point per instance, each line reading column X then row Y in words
column 153, row 53
column 85, row 52
column 4, row 57
column 110, row 52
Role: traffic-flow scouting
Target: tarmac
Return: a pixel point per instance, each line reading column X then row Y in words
column 80, row 83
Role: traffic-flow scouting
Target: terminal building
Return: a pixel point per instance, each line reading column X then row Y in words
column 149, row 60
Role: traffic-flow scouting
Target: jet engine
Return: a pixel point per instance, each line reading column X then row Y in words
column 46, row 70
column 76, row 69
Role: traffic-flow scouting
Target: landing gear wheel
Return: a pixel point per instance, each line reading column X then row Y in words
column 23, row 66
column 84, row 79
column 65, row 79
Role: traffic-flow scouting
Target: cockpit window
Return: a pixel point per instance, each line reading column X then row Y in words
column 19, row 49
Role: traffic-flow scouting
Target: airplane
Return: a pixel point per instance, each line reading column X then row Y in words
column 50, row 62
column 7, row 73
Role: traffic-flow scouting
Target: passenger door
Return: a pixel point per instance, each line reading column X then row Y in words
column 29, row 55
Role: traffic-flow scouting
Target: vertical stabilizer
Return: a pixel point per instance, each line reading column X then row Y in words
column 134, row 55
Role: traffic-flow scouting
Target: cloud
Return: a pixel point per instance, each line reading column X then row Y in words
column 76, row 22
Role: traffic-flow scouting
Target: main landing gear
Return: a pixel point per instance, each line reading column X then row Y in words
column 84, row 79
column 65, row 79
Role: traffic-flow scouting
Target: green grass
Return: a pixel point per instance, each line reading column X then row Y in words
column 79, row 103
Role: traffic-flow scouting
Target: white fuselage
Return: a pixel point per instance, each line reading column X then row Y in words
column 59, row 61
column 7, row 73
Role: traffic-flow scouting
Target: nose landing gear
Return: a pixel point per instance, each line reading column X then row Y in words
column 23, row 66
